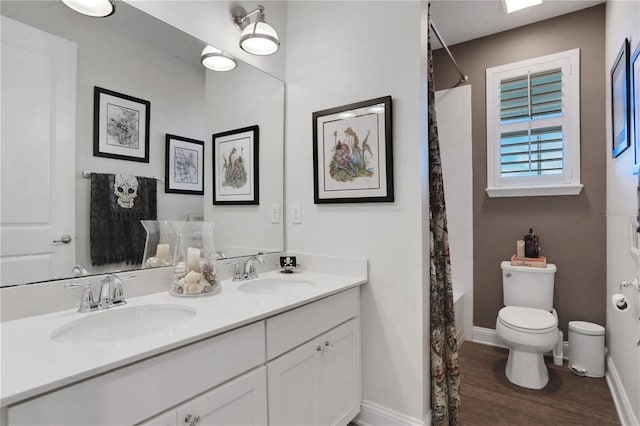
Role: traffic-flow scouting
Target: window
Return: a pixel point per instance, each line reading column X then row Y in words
column 533, row 127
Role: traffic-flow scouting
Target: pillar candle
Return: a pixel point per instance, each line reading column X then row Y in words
column 162, row 251
column 520, row 248
column 193, row 259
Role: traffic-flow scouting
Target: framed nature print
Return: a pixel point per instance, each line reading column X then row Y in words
column 352, row 153
column 235, row 166
column 120, row 126
column 635, row 105
column 184, row 165
column 620, row 101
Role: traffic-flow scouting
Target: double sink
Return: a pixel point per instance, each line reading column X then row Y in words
column 124, row 323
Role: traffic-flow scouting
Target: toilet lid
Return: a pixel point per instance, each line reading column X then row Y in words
column 527, row 319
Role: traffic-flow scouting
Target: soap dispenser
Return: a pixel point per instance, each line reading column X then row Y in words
column 531, row 245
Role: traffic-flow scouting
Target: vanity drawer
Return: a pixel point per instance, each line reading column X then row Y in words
column 138, row 391
column 291, row 329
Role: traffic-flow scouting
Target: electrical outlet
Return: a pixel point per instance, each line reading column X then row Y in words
column 275, row 213
column 296, row 213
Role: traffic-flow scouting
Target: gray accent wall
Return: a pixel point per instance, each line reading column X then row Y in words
column 572, row 229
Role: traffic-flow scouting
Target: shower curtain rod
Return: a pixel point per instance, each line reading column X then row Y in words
column 463, row 77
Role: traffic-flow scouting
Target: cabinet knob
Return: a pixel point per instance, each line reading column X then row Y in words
column 192, row 420
column 319, row 348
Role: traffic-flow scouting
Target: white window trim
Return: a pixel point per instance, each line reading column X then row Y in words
column 566, row 184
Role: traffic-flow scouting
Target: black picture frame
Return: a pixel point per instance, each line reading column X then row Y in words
column 620, row 101
column 635, row 105
column 184, row 165
column 236, row 166
column 357, row 166
column 120, row 126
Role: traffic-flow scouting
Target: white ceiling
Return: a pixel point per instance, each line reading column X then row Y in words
column 464, row 20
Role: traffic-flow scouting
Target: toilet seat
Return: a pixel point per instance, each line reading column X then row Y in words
column 527, row 320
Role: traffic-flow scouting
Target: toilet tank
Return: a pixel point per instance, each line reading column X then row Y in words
column 528, row 286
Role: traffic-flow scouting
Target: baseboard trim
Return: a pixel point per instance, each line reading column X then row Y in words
column 487, row 336
column 620, row 399
column 372, row 414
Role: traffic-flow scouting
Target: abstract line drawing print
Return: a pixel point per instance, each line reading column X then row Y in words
column 123, row 126
column 185, row 165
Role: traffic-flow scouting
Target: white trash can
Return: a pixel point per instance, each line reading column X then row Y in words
column 586, row 349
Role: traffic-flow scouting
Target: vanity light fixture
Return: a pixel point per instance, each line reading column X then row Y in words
column 258, row 37
column 513, row 5
column 93, row 8
column 216, row 60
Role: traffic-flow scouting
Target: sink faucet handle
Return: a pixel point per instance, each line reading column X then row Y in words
column 118, row 292
column 86, row 302
column 238, row 270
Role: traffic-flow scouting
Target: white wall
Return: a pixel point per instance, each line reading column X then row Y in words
column 339, row 53
column 622, row 20
column 453, row 112
column 210, row 21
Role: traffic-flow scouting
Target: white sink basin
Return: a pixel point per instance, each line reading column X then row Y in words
column 122, row 323
column 275, row 286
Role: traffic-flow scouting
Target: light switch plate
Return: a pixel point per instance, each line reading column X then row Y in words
column 275, row 213
column 296, row 213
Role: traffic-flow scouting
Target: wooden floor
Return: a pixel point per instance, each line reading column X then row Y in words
column 488, row 398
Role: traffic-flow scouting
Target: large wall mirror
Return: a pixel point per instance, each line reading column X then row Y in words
column 52, row 60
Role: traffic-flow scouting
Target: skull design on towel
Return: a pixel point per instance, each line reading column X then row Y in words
column 126, row 189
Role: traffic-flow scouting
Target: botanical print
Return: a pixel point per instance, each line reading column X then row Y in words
column 122, row 126
column 351, row 153
column 185, row 165
column 235, row 173
column 349, row 159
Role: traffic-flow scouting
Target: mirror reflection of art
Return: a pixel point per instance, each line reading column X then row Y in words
column 120, row 126
column 184, row 165
column 620, row 101
column 235, row 166
column 352, row 149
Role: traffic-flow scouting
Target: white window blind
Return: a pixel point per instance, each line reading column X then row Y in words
column 533, row 136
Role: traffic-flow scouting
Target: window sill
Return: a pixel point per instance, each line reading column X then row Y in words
column 534, row 191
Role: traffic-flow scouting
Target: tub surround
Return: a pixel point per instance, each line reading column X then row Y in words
column 32, row 363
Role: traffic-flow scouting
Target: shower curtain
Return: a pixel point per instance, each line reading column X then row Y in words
column 445, row 375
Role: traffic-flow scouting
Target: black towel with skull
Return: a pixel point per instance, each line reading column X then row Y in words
column 118, row 204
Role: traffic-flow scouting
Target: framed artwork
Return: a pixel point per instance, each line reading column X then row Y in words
column 352, row 153
column 184, row 166
column 120, row 126
column 235, row 166
column 620, row 101
column 635, row 105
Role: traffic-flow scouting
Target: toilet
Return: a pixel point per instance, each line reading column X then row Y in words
column 528, row 324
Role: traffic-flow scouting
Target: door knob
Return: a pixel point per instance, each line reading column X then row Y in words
column 65, row 239
column 192, row 420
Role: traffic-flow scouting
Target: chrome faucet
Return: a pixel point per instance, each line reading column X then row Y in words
column 111, row 293
column 246, row 270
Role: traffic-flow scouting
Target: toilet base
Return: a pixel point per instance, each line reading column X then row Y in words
column 527, row 369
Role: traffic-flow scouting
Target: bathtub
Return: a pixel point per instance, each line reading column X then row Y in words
column 458, row 306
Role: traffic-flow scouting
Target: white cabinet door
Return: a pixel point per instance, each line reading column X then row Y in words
column 320, row 382
column 170, row 418
column 339, row 377
column 241, row 402
column 292, row 387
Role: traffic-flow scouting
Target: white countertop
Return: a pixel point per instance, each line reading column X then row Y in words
column 33, row 363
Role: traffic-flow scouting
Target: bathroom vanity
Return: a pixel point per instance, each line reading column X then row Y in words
column 260, row 352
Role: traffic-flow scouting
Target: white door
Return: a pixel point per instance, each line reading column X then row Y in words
column 241, row 402
column 339, row 375
column 37, row 153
